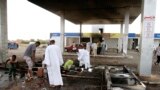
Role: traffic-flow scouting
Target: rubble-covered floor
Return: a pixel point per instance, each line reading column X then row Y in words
column 72, row 81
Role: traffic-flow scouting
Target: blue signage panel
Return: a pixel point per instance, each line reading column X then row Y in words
column 131, row 35
column 157, row 35
column 54, row 35
column 72, row 34
column 66, row 34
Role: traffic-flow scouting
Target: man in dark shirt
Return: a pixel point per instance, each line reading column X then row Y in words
column 29, row 57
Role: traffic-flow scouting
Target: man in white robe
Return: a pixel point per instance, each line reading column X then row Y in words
column 94, row 48
column 53, row 60
column 84, row 57
column 103, row 45
column 88, row 47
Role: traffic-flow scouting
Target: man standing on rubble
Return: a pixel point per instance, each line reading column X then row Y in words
column 53, row 60
column 29, row 57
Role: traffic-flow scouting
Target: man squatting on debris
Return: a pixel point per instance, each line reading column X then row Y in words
column 84, row 57
column 12, row 64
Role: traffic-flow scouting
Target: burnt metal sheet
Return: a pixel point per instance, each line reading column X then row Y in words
column 92, row 11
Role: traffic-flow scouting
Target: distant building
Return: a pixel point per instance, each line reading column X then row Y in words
column 110, row 38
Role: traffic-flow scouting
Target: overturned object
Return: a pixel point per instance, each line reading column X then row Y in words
column 120, row 76
column 103, row 77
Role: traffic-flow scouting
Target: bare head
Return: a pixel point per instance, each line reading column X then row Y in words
column 37, row 43
column 14, row 57
column 52, row 42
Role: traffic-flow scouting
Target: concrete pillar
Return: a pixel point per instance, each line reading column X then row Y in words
column 62, row 33
column 120, row 40
column 3, row 31
column 147, row 36
column 80, row 32
column 130, row 42
column 125, row 35
column 138, row 41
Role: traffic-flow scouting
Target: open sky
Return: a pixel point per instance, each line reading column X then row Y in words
column 28, row 21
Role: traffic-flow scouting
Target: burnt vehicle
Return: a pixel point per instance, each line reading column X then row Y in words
column 123, row 78
column 103, row 77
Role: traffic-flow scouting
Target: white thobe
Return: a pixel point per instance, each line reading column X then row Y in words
column 103, row 45
column 84, row 58
column 88, row 46
column 53, row 60
column 94, row 47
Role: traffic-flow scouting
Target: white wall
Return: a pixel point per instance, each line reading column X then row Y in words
column 112, row 42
